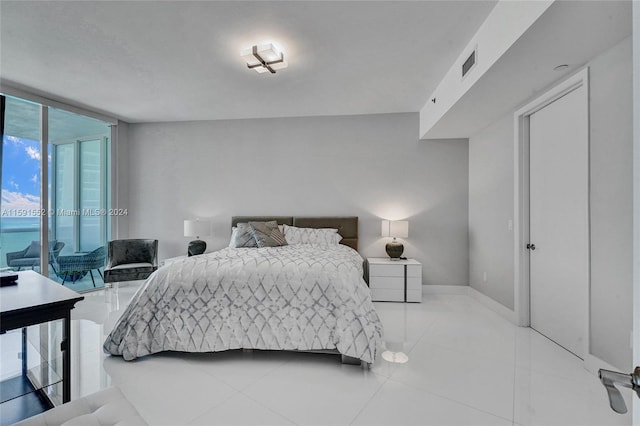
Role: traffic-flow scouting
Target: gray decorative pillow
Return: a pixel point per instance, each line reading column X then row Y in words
column 242, row 237
column 267, row 234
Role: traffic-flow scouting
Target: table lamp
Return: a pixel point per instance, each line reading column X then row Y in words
column 196, row 228
column 395, row 228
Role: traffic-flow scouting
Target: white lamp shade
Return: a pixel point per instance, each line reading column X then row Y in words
column 395, row 228
column 197, row 228
column 386, row 228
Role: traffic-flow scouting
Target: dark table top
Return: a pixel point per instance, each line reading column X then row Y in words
column 34, row 292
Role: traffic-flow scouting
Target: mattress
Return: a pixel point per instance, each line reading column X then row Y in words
column 300, row 297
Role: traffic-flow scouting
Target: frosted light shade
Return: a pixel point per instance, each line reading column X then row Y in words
column 197, row 228
column 395, row 228
column 247, row 56
column 268, row 52
column 280, row 65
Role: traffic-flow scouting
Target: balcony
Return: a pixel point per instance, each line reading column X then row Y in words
column 15, row 238
column 77, row 158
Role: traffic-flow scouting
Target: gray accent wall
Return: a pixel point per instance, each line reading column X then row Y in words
column 491, row 206
column 611, row 146
column 120, row 189
column 371, row 166
column 491, row 210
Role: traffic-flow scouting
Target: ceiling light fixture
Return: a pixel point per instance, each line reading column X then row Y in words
column 263, row 58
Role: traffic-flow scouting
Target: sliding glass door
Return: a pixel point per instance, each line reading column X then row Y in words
column 21, row 186
column 79, row 146
column 75, row 173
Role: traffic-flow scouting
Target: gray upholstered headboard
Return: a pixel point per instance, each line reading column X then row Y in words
column 347, row 226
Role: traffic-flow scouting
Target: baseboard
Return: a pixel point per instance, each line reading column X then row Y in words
column 591, row 362
column 496, row 307
column 466, row 290
column 445, row 289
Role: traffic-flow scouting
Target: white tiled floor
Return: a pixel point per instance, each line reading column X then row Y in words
column 467, row 366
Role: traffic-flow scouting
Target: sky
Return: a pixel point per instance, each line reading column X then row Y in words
column 20, row 174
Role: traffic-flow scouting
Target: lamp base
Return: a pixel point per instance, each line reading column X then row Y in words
column 196, row 247
column 394, row 250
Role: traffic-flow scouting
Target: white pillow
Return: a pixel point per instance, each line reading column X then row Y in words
column 234, row 234
column 326, row 236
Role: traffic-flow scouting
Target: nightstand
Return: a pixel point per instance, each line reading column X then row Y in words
column 395, row 280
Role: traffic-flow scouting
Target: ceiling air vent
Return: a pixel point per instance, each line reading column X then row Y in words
column 469, row 63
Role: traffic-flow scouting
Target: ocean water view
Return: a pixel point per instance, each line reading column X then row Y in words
column 17, row 223
column 16, row 233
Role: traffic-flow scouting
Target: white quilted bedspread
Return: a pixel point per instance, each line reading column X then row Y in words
column 296, row 297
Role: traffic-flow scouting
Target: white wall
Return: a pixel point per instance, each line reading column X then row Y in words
column 491, row 210
column 611, row 151
column 491, row 204
column 371, row 166
column 120, row 191
column 636, row 197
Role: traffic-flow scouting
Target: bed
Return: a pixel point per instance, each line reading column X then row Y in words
column 297, row 297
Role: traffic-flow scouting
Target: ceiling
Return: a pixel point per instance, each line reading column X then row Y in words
column 146, row 61
column 569, row 32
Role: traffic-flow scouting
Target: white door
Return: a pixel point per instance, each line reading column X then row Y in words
column 559, row 221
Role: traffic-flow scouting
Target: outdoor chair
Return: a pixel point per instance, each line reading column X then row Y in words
column 75, row 266
column 30, row 256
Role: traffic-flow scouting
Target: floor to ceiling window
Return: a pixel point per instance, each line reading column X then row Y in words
column 54, row 220
column 21, row 182
column 77, row 182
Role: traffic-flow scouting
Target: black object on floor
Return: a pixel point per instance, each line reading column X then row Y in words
column 20, row 400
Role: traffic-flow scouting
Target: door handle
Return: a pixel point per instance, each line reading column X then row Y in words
column 531, row 246
column 610, row 378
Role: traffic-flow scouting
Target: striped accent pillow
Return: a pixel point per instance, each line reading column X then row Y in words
column 267, row 234
column 241, row 237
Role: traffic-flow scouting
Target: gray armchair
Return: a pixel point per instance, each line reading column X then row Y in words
column 130, row 260
column 30, row 256
column 75, row 266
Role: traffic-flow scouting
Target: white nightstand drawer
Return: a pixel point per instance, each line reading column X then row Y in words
column 386, row 270
column 414, row 283
column 395, row 280
column 414, row 271
column 387, row 295
column 386, row 282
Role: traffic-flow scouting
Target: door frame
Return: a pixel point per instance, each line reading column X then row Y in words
column 521, row 199
column 636, row 198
